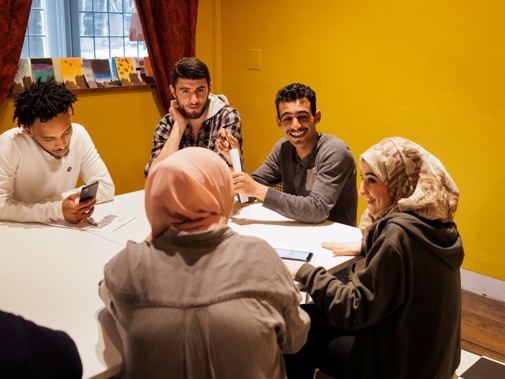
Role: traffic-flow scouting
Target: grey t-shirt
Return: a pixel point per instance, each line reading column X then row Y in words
column 320, row 187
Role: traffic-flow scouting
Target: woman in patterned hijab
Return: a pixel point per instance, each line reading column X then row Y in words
column 401, row 315
column 416, row 180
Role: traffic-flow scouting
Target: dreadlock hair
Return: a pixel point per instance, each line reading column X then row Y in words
column 43, row 100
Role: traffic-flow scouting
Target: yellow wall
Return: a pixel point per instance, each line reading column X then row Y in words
column 208, row 39
column 432, row 71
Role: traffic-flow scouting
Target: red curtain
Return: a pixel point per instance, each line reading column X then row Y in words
column 169, row 29
column 14, row 15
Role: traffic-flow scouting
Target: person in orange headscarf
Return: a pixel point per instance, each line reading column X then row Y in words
column 401, row 316
column 199, row 300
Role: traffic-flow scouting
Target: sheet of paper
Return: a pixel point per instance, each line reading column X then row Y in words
column 106, row 224
column 258, row 212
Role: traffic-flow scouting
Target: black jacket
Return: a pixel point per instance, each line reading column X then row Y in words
column 405, row 306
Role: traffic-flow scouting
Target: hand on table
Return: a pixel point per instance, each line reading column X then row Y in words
column 76, row 212
column 343, row 248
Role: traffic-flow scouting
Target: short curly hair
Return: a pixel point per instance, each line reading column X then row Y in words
column 190, row 68
column 295, row 91
column 44, row 100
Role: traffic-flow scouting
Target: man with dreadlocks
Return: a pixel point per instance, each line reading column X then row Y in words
column 42, row 159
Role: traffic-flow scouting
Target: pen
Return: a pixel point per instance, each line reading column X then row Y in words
column 91, row 221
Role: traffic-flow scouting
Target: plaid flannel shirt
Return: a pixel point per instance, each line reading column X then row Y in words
column 227, row 117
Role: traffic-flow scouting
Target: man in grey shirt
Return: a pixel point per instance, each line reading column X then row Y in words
column 317, row 170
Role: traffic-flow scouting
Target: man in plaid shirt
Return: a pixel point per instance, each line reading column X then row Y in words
column 195, row 116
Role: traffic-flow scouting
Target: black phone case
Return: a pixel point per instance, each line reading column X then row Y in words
column 88, row 192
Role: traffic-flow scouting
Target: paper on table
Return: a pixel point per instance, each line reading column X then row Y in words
column 259, row 213
column 106, row 224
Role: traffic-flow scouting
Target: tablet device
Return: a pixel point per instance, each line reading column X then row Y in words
column 295, row 255
column 88, row 191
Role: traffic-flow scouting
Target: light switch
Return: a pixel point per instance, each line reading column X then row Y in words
column 254, row 59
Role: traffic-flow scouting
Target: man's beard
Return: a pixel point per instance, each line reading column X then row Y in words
column 51, row 154
column 194, row 115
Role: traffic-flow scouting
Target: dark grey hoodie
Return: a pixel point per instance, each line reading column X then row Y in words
column 405, row 306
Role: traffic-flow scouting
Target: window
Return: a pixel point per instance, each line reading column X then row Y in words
column 103, row 28
column 81, row 28
column 35, row 44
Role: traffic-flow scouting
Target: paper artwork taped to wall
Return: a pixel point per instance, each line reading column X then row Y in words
column 145, row 69
column 103, row 73
column 71, row 71
column 87, row 70
column 23, row 77
column 127, row 72
column 42, row 69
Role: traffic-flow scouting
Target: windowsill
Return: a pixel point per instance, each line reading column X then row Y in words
column 102, row 89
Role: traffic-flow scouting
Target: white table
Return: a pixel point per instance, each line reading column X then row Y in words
column 50, row 275
column 248, row 219
column 128, row 204
column 281, row 232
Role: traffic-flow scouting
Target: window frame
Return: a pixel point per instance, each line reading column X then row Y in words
column 62, row 34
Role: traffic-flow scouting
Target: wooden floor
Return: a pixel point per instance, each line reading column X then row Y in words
column 483, row 326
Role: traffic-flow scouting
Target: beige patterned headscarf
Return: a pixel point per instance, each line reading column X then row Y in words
column 189, row 191
column 417, row 181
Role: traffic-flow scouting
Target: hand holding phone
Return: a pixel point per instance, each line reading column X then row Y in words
column 88, row 192
column 74, row 210
column 295, row 255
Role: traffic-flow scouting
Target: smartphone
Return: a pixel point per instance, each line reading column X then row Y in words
column 296, row 255
column 88, row 191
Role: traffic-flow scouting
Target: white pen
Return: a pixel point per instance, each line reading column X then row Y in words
column 91, row 221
